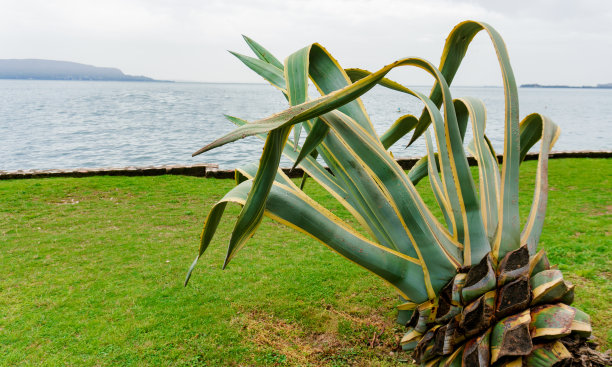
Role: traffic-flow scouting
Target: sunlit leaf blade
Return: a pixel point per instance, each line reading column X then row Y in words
column 398, row 130
column 420, row 225
column 252, row 212
column 249, row 171
column 321, row 175
column 549, row 132
column 420, row 169
column 267, row 71
column 296, row 76
column 457, row 181
column 436, row 184
column 262, row 53
column 210, row 227
column 328, row 76
column 335, row 100
column 315, row 137
column 488, row 169
column 295, row 209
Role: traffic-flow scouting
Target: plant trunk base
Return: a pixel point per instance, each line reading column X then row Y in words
column 584, row 353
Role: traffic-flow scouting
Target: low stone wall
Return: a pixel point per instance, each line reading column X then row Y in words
column 198, row 170
column 213, row 171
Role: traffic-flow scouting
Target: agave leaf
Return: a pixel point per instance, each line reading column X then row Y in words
column 419, row 224
column 312, row 168
column 508, row 234
column 487, row 163
column 436, row 185
column 269, row 72
column 296, row 210
column 332, row 76
column 551, row 321
column 313, row 108
column 210, row 227
column 315, row 137
column 549, row 354
column 454, row 51
column 342, row 99
column 420, row 169
column 538, row 125
column 262, row 53
column 398, row 130
column 252, row 212
column 372, row 203
column 249, row 171
column 457, row 181
column 328, row 77
column 296, row 75
column 328, row 181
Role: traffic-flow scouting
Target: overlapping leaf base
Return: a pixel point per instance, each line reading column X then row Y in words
column 508, row 314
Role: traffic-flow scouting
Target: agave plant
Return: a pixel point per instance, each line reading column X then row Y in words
column 474, row 290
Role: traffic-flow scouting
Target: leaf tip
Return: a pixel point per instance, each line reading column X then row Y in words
column 188, row 276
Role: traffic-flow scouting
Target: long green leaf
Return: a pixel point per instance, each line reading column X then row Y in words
column 549, row 132
column 460, row 192
column 419, row 170
column 267, row 71
column 321, row 176
column 298, row 211
column 313, row 140
column 296, row 77
column 382, row 221
column 436, row 184
column 210, row 227
column 487, row 163
column 252, row 212
column 262, row 53
column 432, row 247
column 398, row 130
column 455, row 48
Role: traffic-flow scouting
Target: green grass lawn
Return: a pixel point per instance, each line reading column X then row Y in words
column 91, row 273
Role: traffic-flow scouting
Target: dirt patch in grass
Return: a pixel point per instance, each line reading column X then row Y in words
column 286, row 339
column 348, row 340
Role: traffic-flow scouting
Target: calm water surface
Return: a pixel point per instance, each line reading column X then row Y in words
column 71, row 124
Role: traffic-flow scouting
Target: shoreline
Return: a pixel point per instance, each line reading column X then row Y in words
column 210, row 170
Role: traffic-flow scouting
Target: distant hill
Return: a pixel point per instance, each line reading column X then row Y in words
column 598, row 86
column 61, row 70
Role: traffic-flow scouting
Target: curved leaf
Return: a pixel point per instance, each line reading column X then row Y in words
column 436, row 185
column 420, row 169
column 296, row 76
column 315, row 137
column 398, row 130
column 267, row 71
column 295, row 209
column 487, row 163
column 262, row 53
column 549, row 132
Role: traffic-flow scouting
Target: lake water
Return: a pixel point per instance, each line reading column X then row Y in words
column 72, row 124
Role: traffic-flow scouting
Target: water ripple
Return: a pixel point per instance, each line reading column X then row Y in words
column 70, row 124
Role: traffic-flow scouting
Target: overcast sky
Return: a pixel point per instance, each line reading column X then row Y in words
column 550, row 42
